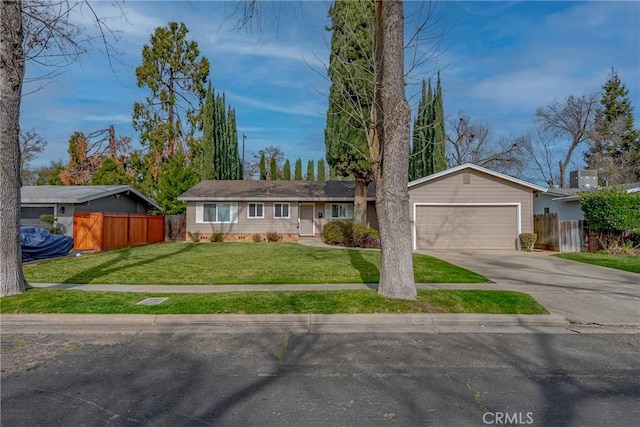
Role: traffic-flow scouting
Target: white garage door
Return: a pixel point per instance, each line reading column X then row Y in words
column 466, row 227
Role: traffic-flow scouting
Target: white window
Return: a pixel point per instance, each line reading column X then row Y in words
column 340, row 211
column 255, row 210
column 217, row 212
column 281, row 210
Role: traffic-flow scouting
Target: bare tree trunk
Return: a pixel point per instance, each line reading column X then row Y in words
column 360, row 202
column 390, row 153
column 11, row 75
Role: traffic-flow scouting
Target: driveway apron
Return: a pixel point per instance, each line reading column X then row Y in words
column 583, row 293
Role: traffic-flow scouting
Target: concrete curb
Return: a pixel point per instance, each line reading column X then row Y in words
column 303, row 323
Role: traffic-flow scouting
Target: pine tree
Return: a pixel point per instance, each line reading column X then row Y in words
column 263, row 167
column 176, row 177
column 310, row 176
column 322, row 173
column 298, row 170
column 615, row 150
column 286, row 173
column 273, row 169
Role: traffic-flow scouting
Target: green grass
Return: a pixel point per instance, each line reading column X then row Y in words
column 318, row 302
column 235, row 263
column 621, row 262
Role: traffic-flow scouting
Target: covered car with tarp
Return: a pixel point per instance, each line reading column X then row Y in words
column 37, row 244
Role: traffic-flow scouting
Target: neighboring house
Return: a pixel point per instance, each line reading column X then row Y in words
column 63, row 201
column 566, row 201
column 240, row 209
column 466, row 207
column 470, row 207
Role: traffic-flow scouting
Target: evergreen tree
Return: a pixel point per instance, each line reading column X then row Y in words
column 310, row 173
column 615, row 150
column 419, row 159
column 322, row 173
column 273, row 169
column 219, row 145
column 439, row 156
column 287, row 171
column 110, row 172
column 263, row 167
column 298, row 170
column 351, row 69
column 164, row 120
column 176, row 177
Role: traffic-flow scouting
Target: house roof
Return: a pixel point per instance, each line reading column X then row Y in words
column 571, row 194
column 331, row 191
column 78, row 193
column 479, row 169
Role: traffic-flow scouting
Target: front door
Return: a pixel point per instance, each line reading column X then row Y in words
column 306, row 215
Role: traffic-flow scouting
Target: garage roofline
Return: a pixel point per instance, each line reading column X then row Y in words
column 479, row 169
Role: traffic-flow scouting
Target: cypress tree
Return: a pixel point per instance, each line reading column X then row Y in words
column 439, row 154
column 235, row 164
column 350, row 96
column 263, row 167
column 273, row 169
column 208, row 146
column 298, row 170
column 321, row 171
column 287, row 171
column 310, row 173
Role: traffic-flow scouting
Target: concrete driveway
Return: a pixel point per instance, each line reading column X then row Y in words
column 583, row 293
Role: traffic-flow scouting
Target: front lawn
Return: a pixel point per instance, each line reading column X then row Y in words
column 621, row 262
column 235, row 263
column 315, row 302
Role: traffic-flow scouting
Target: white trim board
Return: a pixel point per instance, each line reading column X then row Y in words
column 518, row 206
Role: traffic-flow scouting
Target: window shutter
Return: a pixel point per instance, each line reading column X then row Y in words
column 327, row 211
column 349, row 211
column 234, row 213
column 199, row 213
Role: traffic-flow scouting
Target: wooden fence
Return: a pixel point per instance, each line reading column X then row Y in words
column 561, row 236
column 104, row 231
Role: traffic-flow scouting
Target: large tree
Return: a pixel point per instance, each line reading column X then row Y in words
column 570, row 122
column 351, row 70
column 176, row 75
column 389, row 147
column 12, row 61
column 615, row 147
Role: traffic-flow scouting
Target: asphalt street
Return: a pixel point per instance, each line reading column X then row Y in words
column 295, row 379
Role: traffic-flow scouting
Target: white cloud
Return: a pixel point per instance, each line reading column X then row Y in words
column 305, row 108
column 109, row 118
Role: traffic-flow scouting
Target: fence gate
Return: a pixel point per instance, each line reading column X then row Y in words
column 87, row 231
column 559, row 236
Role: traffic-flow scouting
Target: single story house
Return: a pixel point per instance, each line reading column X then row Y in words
column 240, row 209
column 63, row 201
column 566, row 201
column 465, row 207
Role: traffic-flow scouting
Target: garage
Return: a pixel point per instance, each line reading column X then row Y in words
column 470, row 207
column 466, row 227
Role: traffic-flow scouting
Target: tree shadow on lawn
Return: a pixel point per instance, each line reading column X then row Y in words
column 93, row 274
column 369, row 272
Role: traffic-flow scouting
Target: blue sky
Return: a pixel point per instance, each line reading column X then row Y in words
column 498, row 61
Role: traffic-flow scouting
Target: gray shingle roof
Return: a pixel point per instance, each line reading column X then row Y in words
column 77, row 193
column 274, row 190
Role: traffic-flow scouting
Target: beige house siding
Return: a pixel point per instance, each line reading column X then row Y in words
column 475, row 189
column 248, row 226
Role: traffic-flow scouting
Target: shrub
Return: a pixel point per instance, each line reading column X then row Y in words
column 217, row 237
column 349, row 234
column 527, row 240
column 257, row 238
column 195, row 236
column 612, row 214
column 54, row 226
column 273, row 236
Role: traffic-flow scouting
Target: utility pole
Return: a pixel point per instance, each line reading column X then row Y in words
column 244, row 174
